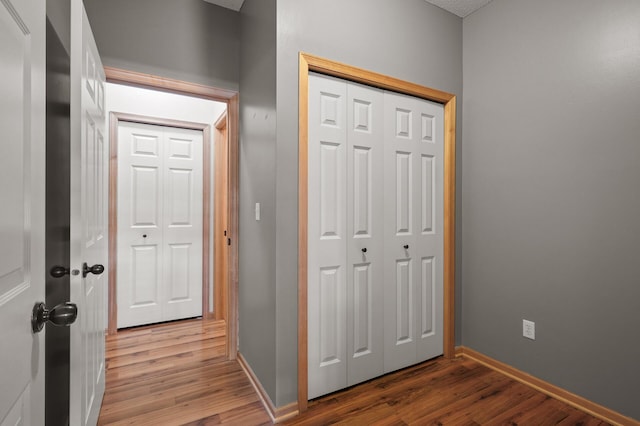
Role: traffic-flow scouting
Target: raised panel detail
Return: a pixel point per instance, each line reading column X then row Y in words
column 403, row 123
column 330, row 114
column 404, row 302
column 90, row 74
column 330, row 190
column 15, row 70
column 330, row 288
column 362, row 332
column 180, row 148
column 362, row 116
column 428, row 191
column 362, row 191
column 145, row 145
column 427, row 299
column 144, row 196
column 89, row 152
column 144, row 261
column 179, row 261
column 403, row 193
column 427, row 128
column 179, row 184
column 100, row 186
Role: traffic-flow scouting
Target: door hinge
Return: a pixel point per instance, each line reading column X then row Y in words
column 228, row 241
column 225, row 232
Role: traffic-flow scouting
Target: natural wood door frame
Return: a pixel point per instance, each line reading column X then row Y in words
column 115, row 118
column 230, row 97
column 309, row 63
column 221, row 203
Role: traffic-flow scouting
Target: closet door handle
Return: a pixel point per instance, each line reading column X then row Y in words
column 364, row 250
column 406, row 246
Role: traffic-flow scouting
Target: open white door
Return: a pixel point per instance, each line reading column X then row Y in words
column 22, row 220
column 88, row 222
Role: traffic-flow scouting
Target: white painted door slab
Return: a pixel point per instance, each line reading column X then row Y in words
column 327, row 249
column 159, row 224
column 345, row 248
column 22, row 220
column 413, row 242
column 88, row 222
column 365, row 235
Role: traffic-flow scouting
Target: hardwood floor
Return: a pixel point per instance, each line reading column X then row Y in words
column 176, row 374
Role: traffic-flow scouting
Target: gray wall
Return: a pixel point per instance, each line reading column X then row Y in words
column 550, row 192
column 417, row 42
column 188, row 40
column 257, row 289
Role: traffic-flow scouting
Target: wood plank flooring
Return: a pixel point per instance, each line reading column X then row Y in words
column 176, row 374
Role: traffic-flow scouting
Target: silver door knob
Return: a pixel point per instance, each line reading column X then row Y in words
column 63, row 315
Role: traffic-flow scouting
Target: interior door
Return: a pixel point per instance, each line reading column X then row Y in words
column 413, row 230
column 22, row 217
column 88, row 281
column 365, row 249
column 160, row 184
column 327, row 248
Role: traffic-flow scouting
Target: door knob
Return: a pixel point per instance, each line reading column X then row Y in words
column 96, row 269
column 406, row 246
column 63, row 314
column 59, row 271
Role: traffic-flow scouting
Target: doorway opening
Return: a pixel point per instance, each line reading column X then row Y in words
column 219, row 246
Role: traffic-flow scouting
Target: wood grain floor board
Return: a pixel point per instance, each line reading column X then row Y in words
column 177, row 374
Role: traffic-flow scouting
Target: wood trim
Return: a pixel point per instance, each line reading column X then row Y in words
column 221, row 209
column 112, row 320
column 449, row 227
column 115, row 75
column 547, row 388
column 233, row 113
column 114, row 121
column 206, row 220
column 277, row 414
column 309, row 63
column 133, row 78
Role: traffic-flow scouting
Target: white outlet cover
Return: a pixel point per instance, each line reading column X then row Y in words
column 529, row 329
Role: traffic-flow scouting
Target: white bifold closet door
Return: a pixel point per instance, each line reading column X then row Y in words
column 413, row 240
column 345, row 234
column 159, row 270
column 375, row 186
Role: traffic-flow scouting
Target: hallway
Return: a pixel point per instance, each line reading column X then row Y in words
column 176, row 373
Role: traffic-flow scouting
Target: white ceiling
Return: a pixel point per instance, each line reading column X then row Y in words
column 459, row 7
column 229, row 4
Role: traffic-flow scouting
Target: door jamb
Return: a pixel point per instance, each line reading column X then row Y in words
column 220, row 208
column 231, row 98
column 308, row 63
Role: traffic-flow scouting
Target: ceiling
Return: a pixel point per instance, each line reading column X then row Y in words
column 461, row 8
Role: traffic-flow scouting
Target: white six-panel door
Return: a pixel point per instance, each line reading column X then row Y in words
column 88, row 233
column 345, row 224
column 159, row 224
column 375, row 186
column 413, row 242
column 22, row 216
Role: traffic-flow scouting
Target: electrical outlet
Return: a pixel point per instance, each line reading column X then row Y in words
column 529, row 329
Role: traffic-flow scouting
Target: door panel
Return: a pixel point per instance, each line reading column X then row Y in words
column 22, row 217
column 364, row 232
column 159, row 224
column 327, row 243
column 88, row 230
column 414, row 231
